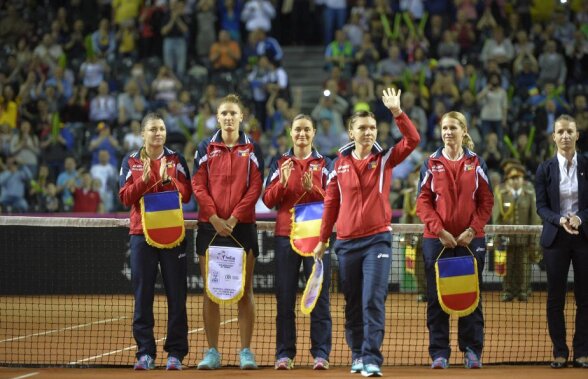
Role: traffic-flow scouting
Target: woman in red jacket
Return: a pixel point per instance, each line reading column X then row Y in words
column 358, row 200
column 454, row 202
column 155, row 168
column 228, row 175
column 298, row 176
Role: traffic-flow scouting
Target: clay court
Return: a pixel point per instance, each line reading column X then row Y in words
column 108, row 341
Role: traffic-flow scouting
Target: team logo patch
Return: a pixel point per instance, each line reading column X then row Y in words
column 243, row 153
column 372, row 165
column 468, row 167
column 314, row 167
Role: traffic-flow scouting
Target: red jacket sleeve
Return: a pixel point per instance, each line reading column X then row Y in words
column 484, row 200
column 331, row 208
column 255, row 185
column 274, row 191
column 425, row 207
column 408, row 143
column 181, row 182
column 200, row 181
column 131, row 191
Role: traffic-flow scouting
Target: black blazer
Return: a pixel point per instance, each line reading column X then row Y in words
column 547, row 190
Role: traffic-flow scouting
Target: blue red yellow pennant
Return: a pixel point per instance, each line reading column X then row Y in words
column 306, row 227
column 163, row 219
column 457, row 285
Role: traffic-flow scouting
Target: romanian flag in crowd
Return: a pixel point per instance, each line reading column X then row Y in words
column 457, row 284
column 500, row 262
column 163, row 219
column 410, row 259
column 306, row 227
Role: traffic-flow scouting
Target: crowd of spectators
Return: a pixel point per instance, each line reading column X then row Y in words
column 74, row 89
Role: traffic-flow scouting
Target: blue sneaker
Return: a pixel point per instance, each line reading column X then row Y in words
column 247, row 360
column 145, row 362
column 356, row 366
column 211, row 360
column 173, row 363
column 371, row 369
column 440, row 363
column 471, row 359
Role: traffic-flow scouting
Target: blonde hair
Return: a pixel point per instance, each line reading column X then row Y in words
column 460, row 118
column 233, row 99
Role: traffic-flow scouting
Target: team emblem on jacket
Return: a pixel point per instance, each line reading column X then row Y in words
column 243, row 153
column 468, row 167
column 314, row 167
column 372, row 165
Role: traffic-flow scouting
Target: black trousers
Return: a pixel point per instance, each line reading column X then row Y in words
column 565, row 249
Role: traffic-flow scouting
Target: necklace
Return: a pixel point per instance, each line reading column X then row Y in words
column 356, row 156
column 449, row 158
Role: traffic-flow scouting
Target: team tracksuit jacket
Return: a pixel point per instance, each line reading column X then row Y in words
column 227, row 181
column 284, row 198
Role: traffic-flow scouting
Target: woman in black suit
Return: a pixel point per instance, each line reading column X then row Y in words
column 562, row 203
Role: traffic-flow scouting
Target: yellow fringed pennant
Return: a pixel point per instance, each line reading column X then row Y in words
column 306, row 227
column 225, row 274
column 458, row 289
column 162, row 219
column 313, row 288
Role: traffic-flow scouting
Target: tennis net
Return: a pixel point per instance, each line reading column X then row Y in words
column 66, row 300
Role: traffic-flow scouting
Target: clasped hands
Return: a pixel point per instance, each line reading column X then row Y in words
column 571, row 223
column 449, row 241
column 223, row 227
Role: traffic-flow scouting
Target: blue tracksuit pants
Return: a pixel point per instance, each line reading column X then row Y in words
column 287, row 271
column 470, row 329
column 364, row 268
column 145, row 260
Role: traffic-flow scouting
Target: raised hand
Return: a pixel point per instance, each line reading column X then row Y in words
column 285, row 171
column 307, row 181
column 391, row 99
column 163, row 169
column 146, row 169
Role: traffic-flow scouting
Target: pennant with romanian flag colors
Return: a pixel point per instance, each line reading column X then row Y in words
column 306, row 227
column 458, row 289
column 313, row 288
column 163, row 219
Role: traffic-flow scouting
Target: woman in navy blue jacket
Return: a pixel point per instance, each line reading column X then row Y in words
column 561, row 184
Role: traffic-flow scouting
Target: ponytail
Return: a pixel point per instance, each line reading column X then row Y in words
column 467, row 141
